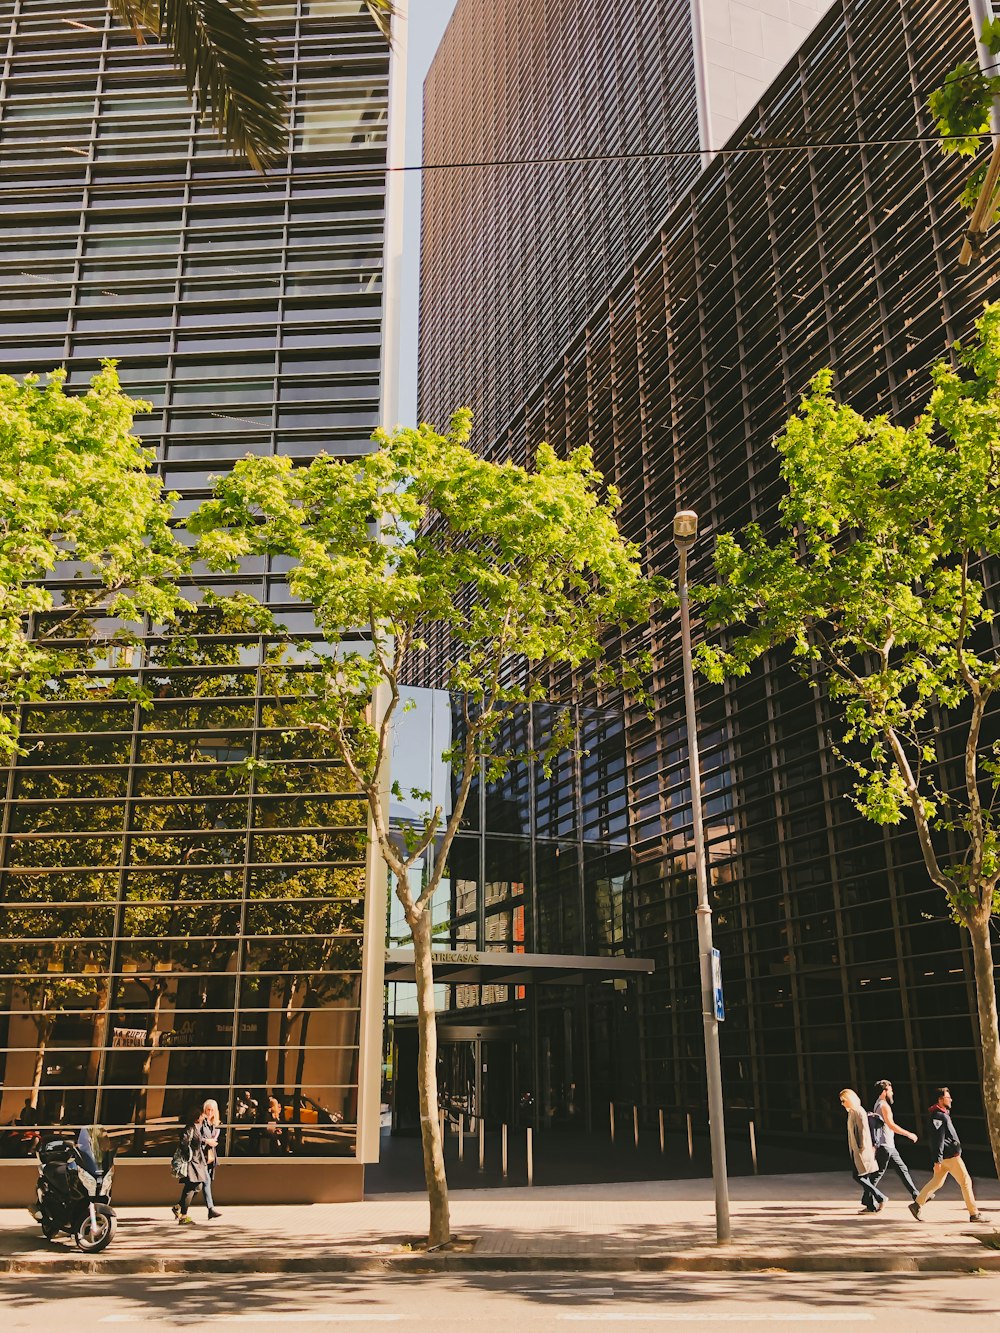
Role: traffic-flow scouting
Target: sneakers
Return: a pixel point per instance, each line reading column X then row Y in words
column 176, row 1210
column 914, row 1208
column 185, row 1221
column 214, row 1212
column 976, row 1217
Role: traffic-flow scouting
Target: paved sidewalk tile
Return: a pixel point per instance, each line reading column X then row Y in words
column 779, row 1216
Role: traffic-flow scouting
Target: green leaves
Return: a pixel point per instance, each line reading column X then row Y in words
column 990, row 35
column 529, row 565
column 873, row 576
column 75, row 492
column 961, row 107
column 516, row 569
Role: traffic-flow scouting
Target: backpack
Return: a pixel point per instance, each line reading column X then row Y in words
column 180, row 1161
column 876, row 1126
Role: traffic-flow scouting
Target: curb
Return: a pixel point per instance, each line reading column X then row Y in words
column 513, row 1263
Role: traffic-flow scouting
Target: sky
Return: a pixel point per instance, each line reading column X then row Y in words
column 427, row 22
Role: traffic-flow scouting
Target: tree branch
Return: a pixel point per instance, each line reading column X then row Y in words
column 934, row 871
column 426, row 838
column 971, row 681
column 977, row 826
column 88, row 609
column 458, row 809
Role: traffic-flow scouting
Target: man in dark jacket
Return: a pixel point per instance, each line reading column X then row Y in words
column 946, row 1158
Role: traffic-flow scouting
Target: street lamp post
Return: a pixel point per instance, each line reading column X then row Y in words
column 685, row 533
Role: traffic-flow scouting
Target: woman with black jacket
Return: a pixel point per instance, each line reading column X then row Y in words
column 196, row 1175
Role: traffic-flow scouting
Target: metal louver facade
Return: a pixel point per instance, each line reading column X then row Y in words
column 841, row 963
column 176, row 924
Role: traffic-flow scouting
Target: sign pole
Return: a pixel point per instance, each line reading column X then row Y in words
column 685, row 532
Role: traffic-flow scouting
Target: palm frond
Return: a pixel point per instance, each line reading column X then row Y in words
column 230, row 74
column 383, row 12
column 142, row 16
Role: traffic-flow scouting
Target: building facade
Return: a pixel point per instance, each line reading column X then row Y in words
column 177, row 923
column 579, row 127
column 531, row 919
column 841, row 963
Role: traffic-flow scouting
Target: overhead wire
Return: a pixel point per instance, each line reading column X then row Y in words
column 761, row 146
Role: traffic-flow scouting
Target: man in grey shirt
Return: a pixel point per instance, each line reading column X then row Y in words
column 886, row 1153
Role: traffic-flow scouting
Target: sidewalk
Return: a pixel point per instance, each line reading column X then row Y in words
column 803, row 1223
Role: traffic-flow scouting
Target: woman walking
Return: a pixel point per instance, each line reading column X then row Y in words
column 864, row 1166
column 210, row 1130
column 194, row 1167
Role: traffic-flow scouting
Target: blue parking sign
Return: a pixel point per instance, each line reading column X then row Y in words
column 720, row 1007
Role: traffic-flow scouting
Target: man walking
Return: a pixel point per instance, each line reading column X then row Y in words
column 946, row 1158
column 886, row 1153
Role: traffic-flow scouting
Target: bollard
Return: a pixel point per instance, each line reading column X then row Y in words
column 461, row 1135
column 753, row 1147
column 663, row 1137
column 635, row 1124
column 690, row 1138
column 611, row 1112
column 482, row 1143
column 503, row 1150
column 531, row 1160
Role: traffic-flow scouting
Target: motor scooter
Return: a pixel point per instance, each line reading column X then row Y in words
column 74, row 1190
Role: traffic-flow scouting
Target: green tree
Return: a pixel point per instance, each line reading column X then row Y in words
column 517, row 568
column 230, row 72
column 962, row 109
column 77, row 498
column 877, row 576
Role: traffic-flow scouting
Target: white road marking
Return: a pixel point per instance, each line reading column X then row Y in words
column 265, row 1317
column 565, row 1291
column 705, row 1314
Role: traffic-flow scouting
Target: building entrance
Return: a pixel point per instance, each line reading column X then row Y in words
column 475, row 1071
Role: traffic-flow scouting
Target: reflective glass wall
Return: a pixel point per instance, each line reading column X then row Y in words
column 540, row 865
column 841, row 962
column 182, row 877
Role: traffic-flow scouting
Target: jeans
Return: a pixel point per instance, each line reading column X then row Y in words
column 886, row 1157
column 190, row 1189
column 871, row 1197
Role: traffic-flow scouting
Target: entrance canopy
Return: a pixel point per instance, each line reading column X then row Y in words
column 520, row 969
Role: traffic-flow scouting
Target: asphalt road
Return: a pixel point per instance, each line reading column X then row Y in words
column 511, row 1303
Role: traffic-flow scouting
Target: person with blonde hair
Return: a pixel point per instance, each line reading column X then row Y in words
column 864, row 1165
column 211, row 1129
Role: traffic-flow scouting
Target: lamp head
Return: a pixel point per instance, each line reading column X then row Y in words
column 685, row 529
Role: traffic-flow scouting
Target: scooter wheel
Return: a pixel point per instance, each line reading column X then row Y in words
column 91, row 1238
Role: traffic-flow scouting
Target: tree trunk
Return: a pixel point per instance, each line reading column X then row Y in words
column 142, row 1090
column 300, row 1068
column 99, row 1035
column 430, row 1128
column 36, row 1077
column 284, row 1031
column 989, row 1035
column 44, row 1026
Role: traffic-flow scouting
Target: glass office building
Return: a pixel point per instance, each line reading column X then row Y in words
column 841, row 963
column 175, row 923
column 529, row 921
